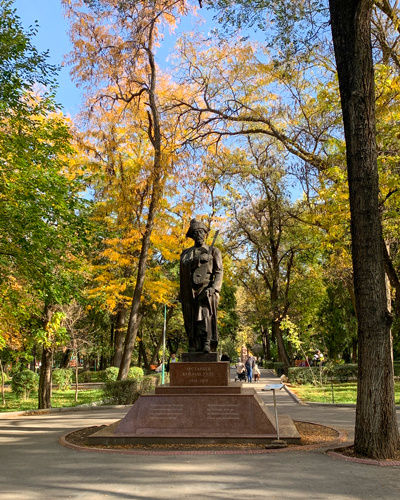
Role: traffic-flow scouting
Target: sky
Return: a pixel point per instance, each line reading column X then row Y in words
column 53, row 36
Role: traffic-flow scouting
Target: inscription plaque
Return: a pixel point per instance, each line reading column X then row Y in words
column 206, row 415
column 199, row 374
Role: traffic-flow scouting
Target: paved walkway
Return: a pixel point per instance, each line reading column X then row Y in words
column 33, row 465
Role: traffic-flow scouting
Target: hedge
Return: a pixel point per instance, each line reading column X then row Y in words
column 338, row 373
column 24, row 382
column 110, row 374
column 63, row 378
column 135, row 373
column 126, row 392
column 268, row 364
column 85, row 377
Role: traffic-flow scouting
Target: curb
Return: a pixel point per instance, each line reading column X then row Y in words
column 32, row 413
column 294, row 396
column 342, row 438
column 335, row 453
column 314, row 403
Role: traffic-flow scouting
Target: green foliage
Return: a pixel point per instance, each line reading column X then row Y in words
column 268, row 365
column 135, row 373
column 63, row 377
column 6, row 378
column 121, row 392
column 337, row 320
column 85, row 377
column 294, row 27
column 308, row 375
column 344, row 373
column 59, row 399
column 343, row 393
column 126, row 392
column 396, row 367
column 23, row 382
column 148, row 383
column 228, row 319
column 305, row 375
column 21, row 64
column 42, row 213
column 278, row 367
column 109, row 374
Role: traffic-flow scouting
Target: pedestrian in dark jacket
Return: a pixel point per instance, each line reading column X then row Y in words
column 250, row 362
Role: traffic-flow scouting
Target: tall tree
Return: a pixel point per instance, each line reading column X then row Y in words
column 376, row 431
column 42, row 223
column 117, row 63
column 376, row 427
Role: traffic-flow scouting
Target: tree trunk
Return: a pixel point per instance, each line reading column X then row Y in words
column 376, row 431
column 154, row 132
column 119, row 337
column 86, row 364
column 266, row 343
column 45, row 379
column 2, row 384
column 76, row 378
column 154, row 357
column 354, row 346
column 276, row 323
column 66, row 359
column 282, row 354
column 144, row 356
column 103, row 362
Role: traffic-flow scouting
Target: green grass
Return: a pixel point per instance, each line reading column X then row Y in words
column 343, row 393
column 59, row 399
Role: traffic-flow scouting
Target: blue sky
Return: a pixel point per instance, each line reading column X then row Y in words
column 52, row 35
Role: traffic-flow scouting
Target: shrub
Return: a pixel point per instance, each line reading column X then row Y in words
column 126, row 392
column 135, row 373
column 6, row 378
column 63, row 378
column 147, row 383
column 396, row 366
column 279, row 368
column 110, row 374
column 268, row 364
column 306, row 375
column 121, row 392
column 85, row 377
column 344, row 373
column 24, row 382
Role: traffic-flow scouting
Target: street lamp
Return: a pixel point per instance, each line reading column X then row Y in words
column 164, row 340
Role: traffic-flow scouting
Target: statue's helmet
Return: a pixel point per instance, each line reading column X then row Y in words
column 196, row 224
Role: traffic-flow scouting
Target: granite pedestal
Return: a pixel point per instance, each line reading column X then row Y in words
column 199, row 405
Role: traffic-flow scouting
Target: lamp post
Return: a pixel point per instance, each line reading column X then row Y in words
column 163, row 351
column 164, row 340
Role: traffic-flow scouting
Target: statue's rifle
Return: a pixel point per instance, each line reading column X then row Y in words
column 213, row 242
column 200, row 273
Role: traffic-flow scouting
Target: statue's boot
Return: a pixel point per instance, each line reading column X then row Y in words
column 206, row 347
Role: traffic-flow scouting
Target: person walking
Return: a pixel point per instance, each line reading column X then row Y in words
column 250, row 362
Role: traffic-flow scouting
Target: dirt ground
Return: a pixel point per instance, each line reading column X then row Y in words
column 311, row 434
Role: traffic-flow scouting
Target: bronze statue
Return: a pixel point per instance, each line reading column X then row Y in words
column 201, row 280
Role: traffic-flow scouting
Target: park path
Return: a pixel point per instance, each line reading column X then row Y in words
column 33, row 464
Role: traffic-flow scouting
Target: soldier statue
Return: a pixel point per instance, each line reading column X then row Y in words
column 200, row 280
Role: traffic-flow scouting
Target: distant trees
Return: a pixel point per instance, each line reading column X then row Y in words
column 42, row 215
